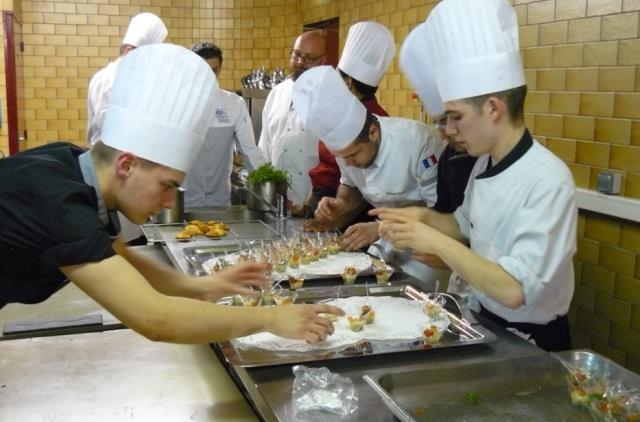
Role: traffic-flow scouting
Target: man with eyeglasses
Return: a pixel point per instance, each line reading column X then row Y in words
column 284, row 140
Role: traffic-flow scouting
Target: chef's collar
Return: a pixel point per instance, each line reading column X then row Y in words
column 523, row 145
column 91, row 178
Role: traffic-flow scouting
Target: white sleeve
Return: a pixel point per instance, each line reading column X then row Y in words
column 545, row 240
column 244, row 139
column 265, row 136
column 426, row 171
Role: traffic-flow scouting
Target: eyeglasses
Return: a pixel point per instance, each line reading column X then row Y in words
column 307, row 59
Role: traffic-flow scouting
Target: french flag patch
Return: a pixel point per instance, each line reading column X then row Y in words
column 430, row 161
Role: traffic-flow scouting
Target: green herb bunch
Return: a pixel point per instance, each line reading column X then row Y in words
column 267, row 173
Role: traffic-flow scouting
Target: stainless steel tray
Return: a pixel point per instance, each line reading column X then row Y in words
column 459, row 333
column 522, row 389
column 238, row 230
column 198, row 254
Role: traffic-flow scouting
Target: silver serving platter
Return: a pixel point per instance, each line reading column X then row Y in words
column 459, row 333
column 238, row 231
column 521, row 389
column 199, row 254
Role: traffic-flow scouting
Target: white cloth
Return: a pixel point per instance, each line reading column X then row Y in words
column 524, row 219
column 398, row 175
column 98, row 98
column 161, row 105
column 367, row 52
column 286, row 143
column 396, row 319
column 477, row 55
column 327, row 108
column 208, row 182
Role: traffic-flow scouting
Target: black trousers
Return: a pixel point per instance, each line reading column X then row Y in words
column 552, row 337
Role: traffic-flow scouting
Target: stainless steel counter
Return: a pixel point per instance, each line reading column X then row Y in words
column 269, row 388
column 109, row 375
column 113, row 376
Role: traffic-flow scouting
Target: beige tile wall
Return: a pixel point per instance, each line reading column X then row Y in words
column 67, row 42
column 582, row 60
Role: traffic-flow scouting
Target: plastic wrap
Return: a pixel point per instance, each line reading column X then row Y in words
column 318, row 391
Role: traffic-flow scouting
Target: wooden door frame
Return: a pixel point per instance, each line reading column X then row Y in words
column 11, row 81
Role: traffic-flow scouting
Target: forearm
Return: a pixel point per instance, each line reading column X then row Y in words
column 124, row 292
column 183, row 320
column 163, row 278
column 486, row 276
column 445, row 223
column 352, row 199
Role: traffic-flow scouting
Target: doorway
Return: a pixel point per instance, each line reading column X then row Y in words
column 13, row 53
column 331, row 30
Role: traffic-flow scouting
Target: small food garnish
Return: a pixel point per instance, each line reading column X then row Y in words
column 349, row 275
column 369, row 316
column 215, row 233
column 471, row 398
column 193, row 229
column 295, row 282
column 432, row 308
column 183, row 235
column 383, row 274
column 431, row 334
column 355, row 323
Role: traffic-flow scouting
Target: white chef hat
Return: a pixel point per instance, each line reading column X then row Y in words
column 145, row 28
column 418, row 68
column 327, row 108
column 161, row 104
column 473, row 45
column 367, row 52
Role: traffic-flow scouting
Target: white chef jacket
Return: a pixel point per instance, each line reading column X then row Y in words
column 403, row 172
column 522, row 215
column 285, row 142
column 208, row 182
column 98, row 98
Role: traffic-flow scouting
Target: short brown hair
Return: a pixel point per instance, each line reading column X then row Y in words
column 363, row 136
column 104, row 155
column 514, row 98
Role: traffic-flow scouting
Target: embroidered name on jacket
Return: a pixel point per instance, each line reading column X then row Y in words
column 222, row 116
column 430, row 161
column 396, row 193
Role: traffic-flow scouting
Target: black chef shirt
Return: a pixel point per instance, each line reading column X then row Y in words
column 454, row 169
column 48, row 218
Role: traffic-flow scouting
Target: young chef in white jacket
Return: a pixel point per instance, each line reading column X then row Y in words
column 383, row 160
column 519, row 212
column 284, row 140
column 208, row 182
